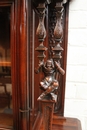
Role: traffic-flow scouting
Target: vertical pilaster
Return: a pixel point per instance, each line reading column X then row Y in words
column 23, row 87
column 47, row 111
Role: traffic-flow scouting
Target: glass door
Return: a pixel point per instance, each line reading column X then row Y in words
column 5, row 67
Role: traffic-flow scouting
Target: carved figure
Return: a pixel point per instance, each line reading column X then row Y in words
column 49, row 84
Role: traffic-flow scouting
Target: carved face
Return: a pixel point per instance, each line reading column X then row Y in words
column 49, row 64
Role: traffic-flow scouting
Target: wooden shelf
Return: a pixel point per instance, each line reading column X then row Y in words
column 4, row 63
column 6, row 121
column 60, row 123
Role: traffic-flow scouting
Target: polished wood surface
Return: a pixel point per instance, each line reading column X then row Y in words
column 18, row 42
column 6, row 121
column 4, row 63
column 58, row 123
column 47, row 112
column 34, row 86
column 25, row 84
column 62, row 123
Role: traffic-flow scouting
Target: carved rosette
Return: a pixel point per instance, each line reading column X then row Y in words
column 41, row 31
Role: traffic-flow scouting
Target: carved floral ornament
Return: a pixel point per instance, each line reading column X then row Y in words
column 52, row 67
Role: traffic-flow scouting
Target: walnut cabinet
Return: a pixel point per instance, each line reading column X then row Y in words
column 19, row 85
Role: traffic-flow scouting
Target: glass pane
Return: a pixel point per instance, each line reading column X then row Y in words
column 5, row 67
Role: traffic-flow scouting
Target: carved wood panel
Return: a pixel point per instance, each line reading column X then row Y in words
column 24, row 22
column 50, row 22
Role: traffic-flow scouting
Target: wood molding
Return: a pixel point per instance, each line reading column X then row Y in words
column 19, row 41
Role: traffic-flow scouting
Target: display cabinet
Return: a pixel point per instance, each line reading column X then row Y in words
column 19, row 85
column 14, row 82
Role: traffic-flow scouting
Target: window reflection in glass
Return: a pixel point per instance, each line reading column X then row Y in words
column 5, row 62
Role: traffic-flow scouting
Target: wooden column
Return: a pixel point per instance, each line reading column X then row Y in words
column 23, row 83
column 47, row 113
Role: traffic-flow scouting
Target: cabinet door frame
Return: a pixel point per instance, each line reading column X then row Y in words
column 19, row 43
column 10, row 4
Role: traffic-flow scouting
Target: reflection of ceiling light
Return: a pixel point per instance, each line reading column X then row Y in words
column 64, row 1
column 48, row 1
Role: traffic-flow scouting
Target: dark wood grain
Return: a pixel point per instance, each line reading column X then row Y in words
column 61, row 123
column 6, row 120
column 18, row 41
column 25, row 83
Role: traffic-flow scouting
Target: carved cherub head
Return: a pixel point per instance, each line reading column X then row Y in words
column 49, row 64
